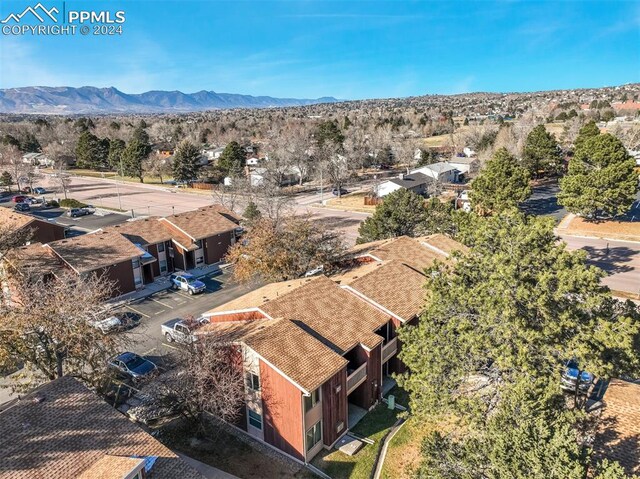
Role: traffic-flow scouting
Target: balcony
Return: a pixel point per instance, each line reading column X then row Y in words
column 356, row 378
column 389, row 349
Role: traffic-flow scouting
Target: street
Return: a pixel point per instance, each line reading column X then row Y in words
column 620, row 259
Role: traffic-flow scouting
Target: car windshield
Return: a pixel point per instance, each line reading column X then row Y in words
column 135, row 362
column 191, row 280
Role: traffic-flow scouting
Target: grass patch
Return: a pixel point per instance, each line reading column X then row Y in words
column 375, row 426
column 612, row 229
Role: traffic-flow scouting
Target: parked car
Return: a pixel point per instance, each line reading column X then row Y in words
column 26, row 189
column 117, row 322
column 39, row 190
column 314, row 271
column 182, row 330
column 339, row 192
column 570, row 377
column 75, row 212
column 33, row 201
column 22, row 207
column 18, row 198
column 133, row 366
column 187, row 282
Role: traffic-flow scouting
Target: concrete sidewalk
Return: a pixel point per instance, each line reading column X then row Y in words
column 161, row 283
column 206, row 470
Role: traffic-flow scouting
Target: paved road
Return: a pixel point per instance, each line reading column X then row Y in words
column 621, row 261
column 543, row 201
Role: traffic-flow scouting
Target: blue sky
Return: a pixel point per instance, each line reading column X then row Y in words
column 350, row 50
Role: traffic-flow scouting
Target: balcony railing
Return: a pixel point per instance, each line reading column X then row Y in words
column 389, row 349
column 356, row 378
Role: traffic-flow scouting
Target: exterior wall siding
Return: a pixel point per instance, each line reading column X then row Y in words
column 45, row 232
column 334, row 407
column 121, row 275
column 215, row 247
column 282, row 412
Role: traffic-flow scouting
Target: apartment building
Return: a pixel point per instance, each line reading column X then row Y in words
column 42, row 231
column 318, row 351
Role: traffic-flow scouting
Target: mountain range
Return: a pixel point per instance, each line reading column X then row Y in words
column 92, row 100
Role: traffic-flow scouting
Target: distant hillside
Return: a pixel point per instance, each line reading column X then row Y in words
column 87, row 100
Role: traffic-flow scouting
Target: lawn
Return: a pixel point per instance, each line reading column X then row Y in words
column 224, row 450
column 622, row 230
column 351, row 202
column 375, row 426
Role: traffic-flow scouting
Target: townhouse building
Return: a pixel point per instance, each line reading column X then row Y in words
column 42, row 231
column 319, row 352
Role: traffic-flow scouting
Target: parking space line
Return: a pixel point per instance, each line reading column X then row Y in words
column 183, row 294
column 139, row 312
column 159, row 312
column 169, row 346
column 160, row 302
column 148, row 352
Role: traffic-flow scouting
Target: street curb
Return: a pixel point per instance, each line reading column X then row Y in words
column 560, row 233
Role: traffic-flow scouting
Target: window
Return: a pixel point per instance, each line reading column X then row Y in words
column 163, row 266
column 160, row 247
column 311, row 401
column 135, row 263
column 253, row 381
column 314, row 435
column 198, row 243
column 255, row 419
column 199, row 260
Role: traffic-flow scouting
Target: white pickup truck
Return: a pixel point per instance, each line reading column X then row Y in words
column 182, row 330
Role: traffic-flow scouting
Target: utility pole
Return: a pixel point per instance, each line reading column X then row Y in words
column 321, row 186
column 118, row 193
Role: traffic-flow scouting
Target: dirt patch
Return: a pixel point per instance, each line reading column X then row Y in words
column 620, row 230
column 351, row 202
column 224, row 448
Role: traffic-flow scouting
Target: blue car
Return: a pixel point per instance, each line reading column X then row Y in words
column 133, row 366
column 570, row 377
column 39, row 190
column 187, row 282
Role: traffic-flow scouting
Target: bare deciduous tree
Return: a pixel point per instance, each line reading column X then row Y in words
column 48, row 326
column 284, row 250
column 209, row 378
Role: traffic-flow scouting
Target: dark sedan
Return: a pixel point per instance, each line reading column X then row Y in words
column 133, row 366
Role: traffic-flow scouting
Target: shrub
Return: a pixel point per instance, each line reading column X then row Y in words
column 71, row 203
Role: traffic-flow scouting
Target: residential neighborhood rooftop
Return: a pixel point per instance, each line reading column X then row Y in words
column 619, row 432
column 300, row 356
column 331, row 314
column 64, row 430
column 14, row 220
column 412, row 180
column 95, row 250
column 36, row 258
column 144, row 231
column 202, row 223
column 395, row 286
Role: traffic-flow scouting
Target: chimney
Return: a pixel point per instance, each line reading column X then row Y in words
column 401, row 176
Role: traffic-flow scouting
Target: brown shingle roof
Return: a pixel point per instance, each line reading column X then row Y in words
column 202, row 223
column 111, row 467
column 143, row 232
column 300, row 356
column 260, row 296
column 393, row 285
column 329, row 313
column 412, row 251
column 618, row 437
column 95, row 250
column 14, row 220
column 62, row 429
column 36, row 258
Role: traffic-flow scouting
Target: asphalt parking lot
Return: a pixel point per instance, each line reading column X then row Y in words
column 79, row 225
column 146, row 338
